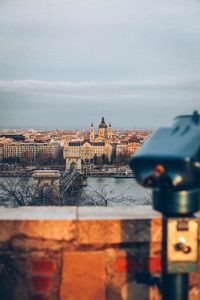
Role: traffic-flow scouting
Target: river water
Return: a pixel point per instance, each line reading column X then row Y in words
column 110, row 192
column 116, row 191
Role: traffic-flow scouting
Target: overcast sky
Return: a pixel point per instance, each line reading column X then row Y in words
column 66, row 63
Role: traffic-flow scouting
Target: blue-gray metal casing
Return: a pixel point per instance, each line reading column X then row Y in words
column 177, row 149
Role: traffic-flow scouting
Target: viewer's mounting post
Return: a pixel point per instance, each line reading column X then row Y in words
column 169, row 163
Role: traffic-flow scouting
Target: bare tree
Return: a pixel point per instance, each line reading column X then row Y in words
column 147, row 200
column 104, row 197
column 15, row 191
column 21, row 191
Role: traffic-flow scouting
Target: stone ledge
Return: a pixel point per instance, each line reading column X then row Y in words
column 83, row 225
column 39, row 213
column 78, row 213
column 117, row 213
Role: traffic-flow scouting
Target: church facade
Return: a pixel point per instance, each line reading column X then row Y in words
column 97, row 145
column 104, row 132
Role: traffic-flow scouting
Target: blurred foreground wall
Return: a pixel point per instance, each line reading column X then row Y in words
column 87, row 253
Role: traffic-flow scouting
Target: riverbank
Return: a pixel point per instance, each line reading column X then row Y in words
column 15, row 174
column 105, row 171
column 19, row 171
column 113, row 175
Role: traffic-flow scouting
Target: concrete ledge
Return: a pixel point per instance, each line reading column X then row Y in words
column 39, row 213
column 77, row 213
column 117, row 213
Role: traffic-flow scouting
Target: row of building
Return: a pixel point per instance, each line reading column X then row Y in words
column 100, row 143
column 29, row 151
column 97, row 144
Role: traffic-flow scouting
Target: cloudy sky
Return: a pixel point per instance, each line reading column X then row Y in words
column 65, row 63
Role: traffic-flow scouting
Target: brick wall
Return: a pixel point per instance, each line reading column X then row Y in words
column 87, row 253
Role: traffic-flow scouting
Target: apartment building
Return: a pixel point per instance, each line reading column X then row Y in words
column 31, row 150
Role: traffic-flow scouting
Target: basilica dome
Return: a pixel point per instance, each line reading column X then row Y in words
column 103, row 123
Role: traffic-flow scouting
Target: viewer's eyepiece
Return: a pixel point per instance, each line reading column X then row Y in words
column 171, row 157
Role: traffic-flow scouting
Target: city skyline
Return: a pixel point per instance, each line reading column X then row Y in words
column 93, row 124
column 64, row 64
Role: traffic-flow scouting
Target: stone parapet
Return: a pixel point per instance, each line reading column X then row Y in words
column 87, row 253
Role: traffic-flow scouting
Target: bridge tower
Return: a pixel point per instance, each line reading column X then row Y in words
column 48, row 179
column 73, row 162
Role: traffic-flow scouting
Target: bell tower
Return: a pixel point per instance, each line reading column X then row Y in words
column 92, row 132
column 109, row 131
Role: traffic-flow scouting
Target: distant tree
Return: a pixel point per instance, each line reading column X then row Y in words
column 59, row 159
column 102, row 197
column 123, row 158
column 95, row 159
column 103, row 157
column 98, row 160
column 21, row 191
column 11, row 160
column 43, row 158
column 25, row 159
column 15, row 191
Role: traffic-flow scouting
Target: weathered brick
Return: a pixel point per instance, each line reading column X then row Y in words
column 42, row 266
column 99, row 232
column 154, row 293
column 152, row 264
column 41, row 284
column 156, row 230
column 53, row 230
column 194, row 293
column 155, row 249
column 41, row 297
column 83, row 276
column 114, row 231
column 135, row 264
column 8, row 229
column 194, row 278
column 46, row 229
column 133, row 290
column 135, row 231
column 114, row 279
column 127, row 264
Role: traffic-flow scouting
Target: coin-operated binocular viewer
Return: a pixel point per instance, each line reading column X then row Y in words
column 169, row 163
